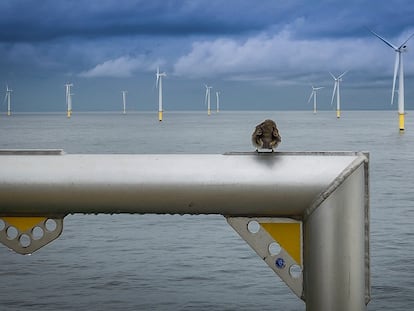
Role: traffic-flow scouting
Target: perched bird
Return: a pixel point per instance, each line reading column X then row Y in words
column 266, row 135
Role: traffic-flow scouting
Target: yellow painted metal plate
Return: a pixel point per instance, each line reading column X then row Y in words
column 289, row 237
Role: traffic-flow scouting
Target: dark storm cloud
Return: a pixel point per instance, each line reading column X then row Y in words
column 31, row 21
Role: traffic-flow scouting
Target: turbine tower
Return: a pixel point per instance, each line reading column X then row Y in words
column 158, row 84
column 313, row 94
column 8, row 97
column 207, row 98
column 398, row 65
column 69, row 99
column 124, row 100
column 217, row 101
column 336, row 89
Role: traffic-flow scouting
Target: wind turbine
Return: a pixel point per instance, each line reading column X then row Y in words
column 336, row 89
column 8, row 97
column 313, row 94
column 158, row 84
column 217, row 101
column 398, row 65
column 124, row 100
column 69, row 99
column 207, row 98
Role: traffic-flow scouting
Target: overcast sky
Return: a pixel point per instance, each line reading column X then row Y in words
column 262, row 55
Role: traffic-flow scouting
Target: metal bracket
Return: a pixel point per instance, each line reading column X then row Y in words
column 25, row 235
column 278, row 241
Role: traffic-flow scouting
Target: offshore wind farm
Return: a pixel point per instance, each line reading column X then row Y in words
column 321, row 104
column 398, row 74
column 336, row 94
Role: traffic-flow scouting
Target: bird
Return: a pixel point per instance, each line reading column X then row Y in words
column 266, row 135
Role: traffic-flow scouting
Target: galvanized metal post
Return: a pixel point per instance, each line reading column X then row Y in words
column 334, row 249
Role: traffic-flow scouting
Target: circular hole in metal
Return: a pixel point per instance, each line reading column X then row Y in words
column 2, row 224
column 25, row 240
column 274, row 248
column 253, row 226
column 295, row 271
column 11, row 233
column 50, row 225
column 37, row 233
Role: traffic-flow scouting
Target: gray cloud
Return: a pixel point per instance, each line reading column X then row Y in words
column 124, row 66
column 34, row 21
column 282, row 55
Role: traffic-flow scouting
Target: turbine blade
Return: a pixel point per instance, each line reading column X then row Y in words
column 333, row 93
column 406, row 41
column 310, row 97
column 332, row 75
column 344, row 73
column 396, row 66
column 385, row 41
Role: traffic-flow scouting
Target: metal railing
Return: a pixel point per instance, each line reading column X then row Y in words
column 305, row 213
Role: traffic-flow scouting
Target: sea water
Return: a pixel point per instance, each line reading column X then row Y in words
column 172, row 262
